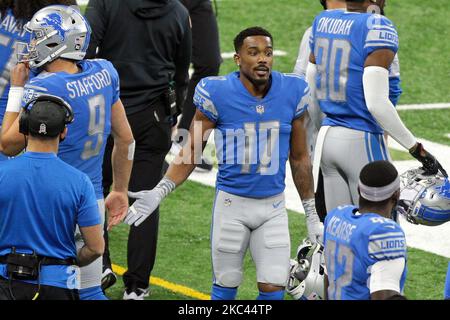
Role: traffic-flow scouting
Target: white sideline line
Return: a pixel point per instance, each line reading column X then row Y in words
column 430, row 239
column 423, row 106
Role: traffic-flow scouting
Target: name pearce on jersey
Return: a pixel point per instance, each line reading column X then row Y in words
column 89, row 84
column 340, row 229
column 335, row 26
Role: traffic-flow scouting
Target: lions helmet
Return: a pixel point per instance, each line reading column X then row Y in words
column 57, row 31
column 306, row 278
column 424, row 199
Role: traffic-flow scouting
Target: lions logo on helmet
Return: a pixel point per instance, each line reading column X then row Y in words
column 57, row 31
column 54, row 20
column 424, row 199
column 306, row 278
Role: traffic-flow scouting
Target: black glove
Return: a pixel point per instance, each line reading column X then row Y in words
column 430, row 165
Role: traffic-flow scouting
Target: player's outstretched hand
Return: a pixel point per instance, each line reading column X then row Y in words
column 146, row 202
column 116, row 204
column 430, row 165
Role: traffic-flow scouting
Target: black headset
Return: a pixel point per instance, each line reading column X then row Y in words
column 24, row 120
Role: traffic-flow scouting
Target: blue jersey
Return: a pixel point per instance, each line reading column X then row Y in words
column 252, row 135
column 42, row 200
column 341, row 41
column 91, row 94
column 11, row 32
column 353, row 243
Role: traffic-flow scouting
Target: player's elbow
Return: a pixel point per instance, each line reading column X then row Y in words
column 8, row 148
column 97, row 247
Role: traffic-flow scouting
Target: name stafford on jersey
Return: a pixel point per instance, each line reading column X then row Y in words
column 87, row 85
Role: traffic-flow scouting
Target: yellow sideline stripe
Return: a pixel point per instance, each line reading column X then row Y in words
column 185, row 291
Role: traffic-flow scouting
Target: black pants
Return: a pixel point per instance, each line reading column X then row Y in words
column 320, row 199
column 205, row 53
column 153, row 141
column 26, row 291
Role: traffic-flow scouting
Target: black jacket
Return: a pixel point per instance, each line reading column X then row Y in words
column 148, row 41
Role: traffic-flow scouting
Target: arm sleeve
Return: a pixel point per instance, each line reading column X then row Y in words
column 311, row 37
column 182, row 62
column 376, row 93
column 314, row 108
column 395, row 89
column 386, row 275
column 203, row 100
column 88, row 214
column 96, row 15
column 381, row 34
column 303, row 54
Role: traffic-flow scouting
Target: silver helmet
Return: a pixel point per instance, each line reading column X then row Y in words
column 306, row 278
column 57, row 31
column 424, row 199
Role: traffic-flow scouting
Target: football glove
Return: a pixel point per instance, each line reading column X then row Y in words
column 313, row 224
column 430, row 165
column 147, row 201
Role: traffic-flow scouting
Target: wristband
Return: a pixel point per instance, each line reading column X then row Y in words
column 14, row 99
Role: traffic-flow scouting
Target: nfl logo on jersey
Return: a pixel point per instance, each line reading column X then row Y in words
column 260, row 109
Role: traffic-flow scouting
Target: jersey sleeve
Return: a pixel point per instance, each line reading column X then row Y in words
column 303, row 54
column 203, row 99
column 305, row 100
column 387, row 241
column 381, row 34
column 115, row 80
column 33, row 89
column 88, row 214
column 395, row 89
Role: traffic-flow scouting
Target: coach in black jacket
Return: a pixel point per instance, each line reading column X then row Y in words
column 149, row 42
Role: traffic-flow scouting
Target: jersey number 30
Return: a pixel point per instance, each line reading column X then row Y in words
column 332, row 66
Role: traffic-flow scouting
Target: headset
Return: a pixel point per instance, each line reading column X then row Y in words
column 24, row 120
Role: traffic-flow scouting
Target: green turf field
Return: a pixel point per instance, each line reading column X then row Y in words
column 184, row 257
column 183, row 250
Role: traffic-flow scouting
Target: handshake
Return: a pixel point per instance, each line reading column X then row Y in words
column 147, row 201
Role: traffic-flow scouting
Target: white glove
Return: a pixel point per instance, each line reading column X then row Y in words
column 313, row 224
column 147, row 202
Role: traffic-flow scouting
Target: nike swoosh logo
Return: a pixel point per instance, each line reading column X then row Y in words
column 276, row 205
column 203, row 83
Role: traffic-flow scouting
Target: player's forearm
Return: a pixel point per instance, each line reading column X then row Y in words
column 182, row 166
column 122, row 163
column 376, row 93
column 12, row 141
column 302, row 175
column 87, row 255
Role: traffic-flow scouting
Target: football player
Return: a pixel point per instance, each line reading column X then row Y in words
column 13, row 16
column 59, row 39
column 351, row 52
column 258, row 117
column 365, row 250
